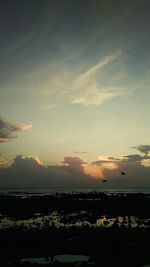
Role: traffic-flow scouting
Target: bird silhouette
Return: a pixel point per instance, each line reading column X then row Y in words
column 123, row 173
column 104, row 181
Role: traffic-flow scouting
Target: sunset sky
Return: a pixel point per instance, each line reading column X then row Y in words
column 74, row 92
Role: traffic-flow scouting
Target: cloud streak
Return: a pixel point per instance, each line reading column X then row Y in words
column 92, row 86
column 8, row 130
column 80, row 152
column 64, row 84
column 88, row 90
column 143, row 148
column 85, row 78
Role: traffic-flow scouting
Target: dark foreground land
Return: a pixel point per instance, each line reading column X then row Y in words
column 112, row 230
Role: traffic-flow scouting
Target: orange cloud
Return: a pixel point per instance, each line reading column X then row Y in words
column 109, row 165
column 145, row 162
column 24, row 127
column 94, row 171
column 4, row 140
column 39, row 161
column 4, row 163
column 8, row 130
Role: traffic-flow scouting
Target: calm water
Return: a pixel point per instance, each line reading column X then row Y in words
column 66, row 258
column 54, row 190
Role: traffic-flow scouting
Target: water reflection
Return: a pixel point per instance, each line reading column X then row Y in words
column 120, row 221
column 82, row 219
column 64, row 258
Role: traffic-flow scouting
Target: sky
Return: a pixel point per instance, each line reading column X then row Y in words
column 74, row 92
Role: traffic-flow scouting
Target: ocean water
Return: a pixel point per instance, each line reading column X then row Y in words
column 53, row 190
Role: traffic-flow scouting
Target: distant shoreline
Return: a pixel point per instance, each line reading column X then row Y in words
column 18, row 191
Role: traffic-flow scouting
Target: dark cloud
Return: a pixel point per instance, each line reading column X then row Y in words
column 74, row 163
column 101, row 162
column 29, row 172
column 136, row 167
column 8, row 130
column 137, row 175
column 143, row 148
column 135, row 157
column 111, row 158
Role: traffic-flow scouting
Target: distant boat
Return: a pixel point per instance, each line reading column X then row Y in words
column 123, row 173
column 104, row 181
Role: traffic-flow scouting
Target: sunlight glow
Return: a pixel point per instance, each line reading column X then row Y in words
column 94, row 171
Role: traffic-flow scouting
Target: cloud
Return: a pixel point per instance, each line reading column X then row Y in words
column 135, row 158
column 30, row 172
column 8, row 130
column 24, row 127
column 64, row 83
column 80, row 152
column 91, row 87
column 143, row 148
column 95, row 96
column 137, row 169
column 74, row 171
column 74, row 162
column 87, row 89
column 21, row 161
column 106, row 162
column 94, row 171
column 22, row 172
column 3, row 163
column 4, row 140
column 84, row 79
column 79, row 166
column 107, row 158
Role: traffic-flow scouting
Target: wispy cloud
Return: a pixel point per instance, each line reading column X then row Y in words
column 95, row 96
column 8, row 130
column 80, row 152
column 87, row 90
column 94, row 86
column 85, row 78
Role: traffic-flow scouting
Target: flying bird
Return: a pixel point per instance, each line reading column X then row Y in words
column 104, row 181
column 123, row 173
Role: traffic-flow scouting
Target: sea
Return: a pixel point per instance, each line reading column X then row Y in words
column 45, row 191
